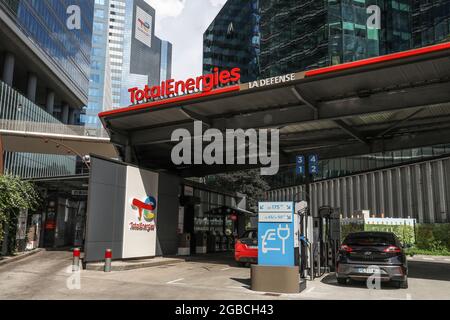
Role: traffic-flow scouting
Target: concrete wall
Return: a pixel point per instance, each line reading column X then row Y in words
column 420, row 191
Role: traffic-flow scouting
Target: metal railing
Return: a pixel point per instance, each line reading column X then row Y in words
column 52, row 128
column 17, row 113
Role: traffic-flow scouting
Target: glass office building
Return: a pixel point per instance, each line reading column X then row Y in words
column 100, row 74
column 45, row 49
column 430, row 22
column 124, row 55
column 45, row 23
column 233, row 39
column 302, row 35
column 294, row 36
column 142, row 56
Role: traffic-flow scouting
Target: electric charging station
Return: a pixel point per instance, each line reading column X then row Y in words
column 278, row 246
column 319, row 241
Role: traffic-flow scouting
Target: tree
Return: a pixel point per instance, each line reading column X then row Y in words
column 248, row 182
column 15, row 195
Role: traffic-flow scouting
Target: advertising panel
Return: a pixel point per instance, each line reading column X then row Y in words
column 143, row 31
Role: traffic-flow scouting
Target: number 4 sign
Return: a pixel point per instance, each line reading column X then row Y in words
column 313, row 164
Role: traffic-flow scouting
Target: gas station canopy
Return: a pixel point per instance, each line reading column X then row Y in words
column 387, row 103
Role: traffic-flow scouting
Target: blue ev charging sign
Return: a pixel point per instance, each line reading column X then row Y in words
column 276, row 233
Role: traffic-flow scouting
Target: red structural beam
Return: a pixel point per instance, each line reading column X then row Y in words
column 376, row 60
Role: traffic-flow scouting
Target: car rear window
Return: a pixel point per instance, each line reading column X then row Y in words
column 370, row 240
column 251, row 234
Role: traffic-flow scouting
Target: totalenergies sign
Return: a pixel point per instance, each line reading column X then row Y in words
column 146, row 214
column 168, row 88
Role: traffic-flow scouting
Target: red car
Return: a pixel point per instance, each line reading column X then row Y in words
column 246, row 248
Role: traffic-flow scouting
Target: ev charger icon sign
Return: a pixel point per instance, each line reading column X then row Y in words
column 276, row 233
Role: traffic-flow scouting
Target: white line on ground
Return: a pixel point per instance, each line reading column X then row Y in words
column 310, row 290
column 408, row 296
column 225, row 269
column 174, row 281
column 428, row 258
column 446, row 259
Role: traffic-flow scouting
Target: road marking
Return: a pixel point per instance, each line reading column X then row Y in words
column 225, row 269
column 446, row 259
column 428, row 258
column 310, row 290
column 174, row 281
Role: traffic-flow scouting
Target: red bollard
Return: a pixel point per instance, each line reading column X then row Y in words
column 76, row 259
column 108, row 258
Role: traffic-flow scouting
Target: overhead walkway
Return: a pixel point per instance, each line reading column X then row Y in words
column 54, row 138
column 380, row 104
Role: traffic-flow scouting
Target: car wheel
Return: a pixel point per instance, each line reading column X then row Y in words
column 342, row 280
column 402, row 284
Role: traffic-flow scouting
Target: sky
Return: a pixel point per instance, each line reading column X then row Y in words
column 183, row 22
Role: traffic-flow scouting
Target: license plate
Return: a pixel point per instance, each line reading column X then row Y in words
column 253, row 247
column 368, row 270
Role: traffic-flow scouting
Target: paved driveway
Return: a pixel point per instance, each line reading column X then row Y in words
column 45, row 276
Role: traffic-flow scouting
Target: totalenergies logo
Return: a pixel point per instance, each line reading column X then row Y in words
column 144, row 25
column 146, row 209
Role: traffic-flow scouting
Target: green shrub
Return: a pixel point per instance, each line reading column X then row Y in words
column 350, row 228
column 404, row 232
column 435, row 237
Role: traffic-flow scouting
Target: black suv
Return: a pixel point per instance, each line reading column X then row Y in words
column 364, row 254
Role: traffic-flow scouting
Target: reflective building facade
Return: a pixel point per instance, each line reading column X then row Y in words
column 291, row 36
column 430, row 22
column 45, row 49
column 45, row 22
column 302, row 35
column 233, row 39
column 294, row 36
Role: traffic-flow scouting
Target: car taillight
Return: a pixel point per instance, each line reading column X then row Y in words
column 346, row 248
column 393, row 249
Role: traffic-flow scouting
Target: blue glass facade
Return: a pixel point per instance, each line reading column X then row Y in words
column 59, row 34
column 119, row 59
column 99, row 73
column 46, row 23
